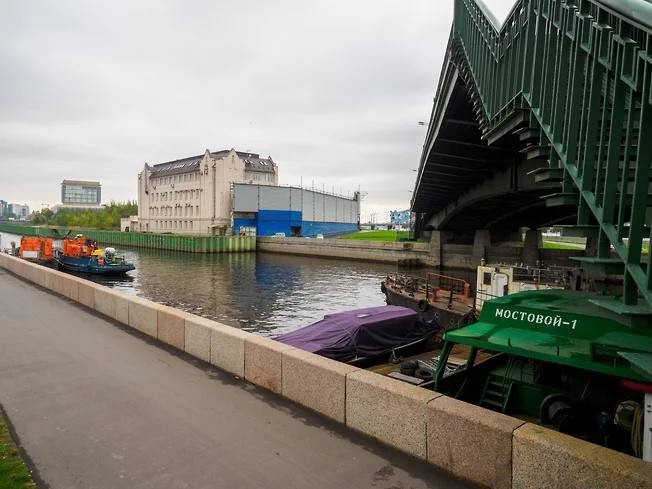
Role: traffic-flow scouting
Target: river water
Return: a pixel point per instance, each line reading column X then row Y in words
column 260, row 292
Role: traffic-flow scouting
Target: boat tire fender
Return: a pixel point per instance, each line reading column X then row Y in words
column 423, row 305
column 423, row 373
column 409, row 367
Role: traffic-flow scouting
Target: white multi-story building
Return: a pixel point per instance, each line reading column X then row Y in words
column 20, row 212
column 80, row 195
column 193, row 195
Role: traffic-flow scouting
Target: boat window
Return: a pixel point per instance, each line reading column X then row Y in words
column 486, row 280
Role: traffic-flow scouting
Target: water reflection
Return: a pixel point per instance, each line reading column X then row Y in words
column 261, row 292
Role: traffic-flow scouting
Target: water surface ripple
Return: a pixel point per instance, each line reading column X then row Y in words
column 260, row 292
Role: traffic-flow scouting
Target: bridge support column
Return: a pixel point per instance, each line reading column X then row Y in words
column 531, row 247
column 437, row 241
column 591, row 246
column 481, row 241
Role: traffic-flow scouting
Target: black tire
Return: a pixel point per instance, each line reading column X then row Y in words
column 409, row 367
column 423, row 305
column 383, row 288
column 423, row 373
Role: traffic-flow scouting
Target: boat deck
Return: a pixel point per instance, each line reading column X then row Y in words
column 458, row 356
column 439, row 291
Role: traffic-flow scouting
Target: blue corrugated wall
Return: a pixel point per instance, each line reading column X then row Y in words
column 270, row 222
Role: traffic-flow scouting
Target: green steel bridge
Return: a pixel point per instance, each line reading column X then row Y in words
column 547, row 119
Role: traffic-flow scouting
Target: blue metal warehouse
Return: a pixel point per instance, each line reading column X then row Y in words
column 293, row 211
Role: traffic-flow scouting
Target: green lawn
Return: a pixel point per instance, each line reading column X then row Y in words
column 378, row 235
column 556, row 245
column 13, row 472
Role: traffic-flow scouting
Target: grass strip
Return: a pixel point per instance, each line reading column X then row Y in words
column 13, row 471
column 389, row 235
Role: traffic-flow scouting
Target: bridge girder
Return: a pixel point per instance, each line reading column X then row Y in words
column 464, row 183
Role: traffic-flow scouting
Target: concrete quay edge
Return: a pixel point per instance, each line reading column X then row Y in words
column 425, row 424
column 375, row 251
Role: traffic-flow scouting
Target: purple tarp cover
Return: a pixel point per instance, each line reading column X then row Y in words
column 365, row 332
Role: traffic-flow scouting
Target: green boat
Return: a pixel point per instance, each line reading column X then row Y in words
column 558, row 360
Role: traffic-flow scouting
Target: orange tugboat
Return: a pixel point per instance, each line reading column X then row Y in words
column 81, row 254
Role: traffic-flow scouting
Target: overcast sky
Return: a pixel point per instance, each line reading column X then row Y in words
column 333, row 91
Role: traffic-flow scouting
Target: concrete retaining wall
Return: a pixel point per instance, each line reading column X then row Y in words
column 451, row 255
column 390, row 252
column 484, row 447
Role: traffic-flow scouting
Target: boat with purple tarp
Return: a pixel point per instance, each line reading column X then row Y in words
column 360, row 336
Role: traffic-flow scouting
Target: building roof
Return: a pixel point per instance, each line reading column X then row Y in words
column 256, row 163
column 253, row 162
column 81, row 182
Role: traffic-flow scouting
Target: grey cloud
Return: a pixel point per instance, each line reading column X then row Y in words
column 332, row 90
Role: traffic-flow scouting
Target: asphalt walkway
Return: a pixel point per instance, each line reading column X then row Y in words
column 98, row 406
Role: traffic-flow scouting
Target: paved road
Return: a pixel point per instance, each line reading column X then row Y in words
column 97, row 406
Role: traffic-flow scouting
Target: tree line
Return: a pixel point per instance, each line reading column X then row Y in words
column 106, row 218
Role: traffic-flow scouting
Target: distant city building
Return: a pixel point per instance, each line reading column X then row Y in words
column 20, row 212
column 293, row 211
column 4, row 208
column 399, row 217
column 80, row 194
column 194, row 195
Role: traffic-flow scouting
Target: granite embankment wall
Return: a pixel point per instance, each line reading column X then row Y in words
column 485, row 447
column 390, row 252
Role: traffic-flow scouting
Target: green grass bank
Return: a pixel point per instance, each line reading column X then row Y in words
column 389, row 235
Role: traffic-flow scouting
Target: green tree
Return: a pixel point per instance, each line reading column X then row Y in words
column 106, row 218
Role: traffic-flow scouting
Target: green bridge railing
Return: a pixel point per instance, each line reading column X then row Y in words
column 192, row 244
column 582, row 70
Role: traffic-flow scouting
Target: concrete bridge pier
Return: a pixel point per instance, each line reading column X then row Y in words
column 465, row 249
column 438, row 239
column 532, row 246
column 481, row 241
